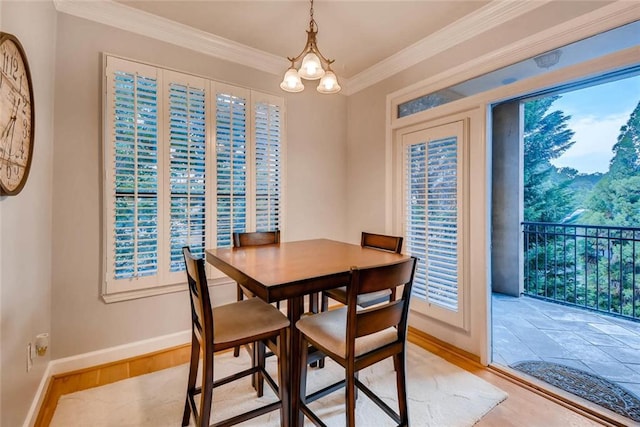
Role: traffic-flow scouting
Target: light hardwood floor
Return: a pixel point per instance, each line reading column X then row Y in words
column 527, row 405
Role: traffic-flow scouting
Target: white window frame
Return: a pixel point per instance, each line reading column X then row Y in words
column 165, row 281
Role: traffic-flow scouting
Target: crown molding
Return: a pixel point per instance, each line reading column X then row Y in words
column 126, row 18
column 484, row 19
column 606, row 18
column 497, row 12
column 140, row 22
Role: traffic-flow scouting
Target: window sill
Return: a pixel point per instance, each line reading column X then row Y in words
column 159, row 290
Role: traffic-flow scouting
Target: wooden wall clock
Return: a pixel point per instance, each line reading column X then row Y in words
column 17, row 116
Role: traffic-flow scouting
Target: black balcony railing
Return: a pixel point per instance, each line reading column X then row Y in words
column 595, row 267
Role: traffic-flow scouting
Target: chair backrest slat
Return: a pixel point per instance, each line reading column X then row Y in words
column 382, row 242
column 377, row 319
column 385, row 315
column 386, row 277
column 257, row 238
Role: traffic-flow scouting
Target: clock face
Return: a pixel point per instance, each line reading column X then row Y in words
column 16, row 116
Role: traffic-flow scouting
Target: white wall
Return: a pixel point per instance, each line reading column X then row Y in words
column 25, row 221
column 316, row 187
column 366, row 159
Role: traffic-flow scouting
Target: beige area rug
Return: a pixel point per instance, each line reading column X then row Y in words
column 440, row 394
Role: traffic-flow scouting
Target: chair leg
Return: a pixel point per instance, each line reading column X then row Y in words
column 399, row 361
column 239, row 297
column 283, row 359
column 325, row 303
column 304, row 351
column 206, row 397
column 260, row 356
column 314, row 302
column 350, row 392
column 324, row 306
column 357, row 376
column 191, row 382
column 253, row 351
column 314, row 306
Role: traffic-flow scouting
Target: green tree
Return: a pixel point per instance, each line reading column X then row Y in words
column 615, row 200
column 547, row 197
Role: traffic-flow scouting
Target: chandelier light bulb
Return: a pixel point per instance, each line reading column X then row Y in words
column 291, row 81
column 329, row 83
column 311, row 68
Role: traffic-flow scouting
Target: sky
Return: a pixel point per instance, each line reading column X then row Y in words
column 597, row 114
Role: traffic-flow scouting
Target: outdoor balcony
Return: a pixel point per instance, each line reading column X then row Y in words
column 527, row 328
column 579, row 304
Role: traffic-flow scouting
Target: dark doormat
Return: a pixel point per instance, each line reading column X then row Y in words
column 585, row 385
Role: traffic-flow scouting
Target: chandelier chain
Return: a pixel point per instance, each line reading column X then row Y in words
column 313, row 25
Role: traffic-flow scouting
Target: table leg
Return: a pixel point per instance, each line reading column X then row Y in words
column 294, row 311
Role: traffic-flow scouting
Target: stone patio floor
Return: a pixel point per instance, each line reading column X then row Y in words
column 530, row 329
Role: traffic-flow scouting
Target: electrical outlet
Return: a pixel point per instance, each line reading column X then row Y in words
column 29, row 357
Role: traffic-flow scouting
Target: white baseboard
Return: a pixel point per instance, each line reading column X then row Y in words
column 30, row 420
column 225, row 293
column 100, row 357
column 113, row 354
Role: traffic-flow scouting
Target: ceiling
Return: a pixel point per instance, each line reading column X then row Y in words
column 369, row 40
column 357, row 34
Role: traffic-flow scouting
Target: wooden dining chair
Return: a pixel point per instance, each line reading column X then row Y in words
column 357, row 338
column 257, row 238
column 375, row 241
column 222, row 328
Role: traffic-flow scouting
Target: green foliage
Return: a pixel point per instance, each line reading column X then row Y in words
column 615, row 200
column 581, row 186
column 586, row 265
column 546, row 136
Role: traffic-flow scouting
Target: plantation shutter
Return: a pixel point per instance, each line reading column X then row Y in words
column 187, row 162
column 187, row 167
column 432, row 216
column 416, row 218
column 231, row 163
column 267, row 127
column 132, row 174
column 442, row 220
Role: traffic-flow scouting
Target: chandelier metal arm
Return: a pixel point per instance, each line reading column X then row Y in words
column 311, row 46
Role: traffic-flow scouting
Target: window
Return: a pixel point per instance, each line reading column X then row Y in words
column 615, row 40
column 268, row 122
column 188, row 161
column 432, row 218
column 231, row 165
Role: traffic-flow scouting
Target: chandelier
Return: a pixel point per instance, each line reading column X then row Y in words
column 314, row 65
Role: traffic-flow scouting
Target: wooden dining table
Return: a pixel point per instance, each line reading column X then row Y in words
column 289, row 271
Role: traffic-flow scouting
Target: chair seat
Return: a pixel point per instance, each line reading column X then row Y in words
column 364, row 300
column 329, row 329
column 245, row 319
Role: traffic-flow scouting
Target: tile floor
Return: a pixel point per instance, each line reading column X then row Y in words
column 530, row 329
